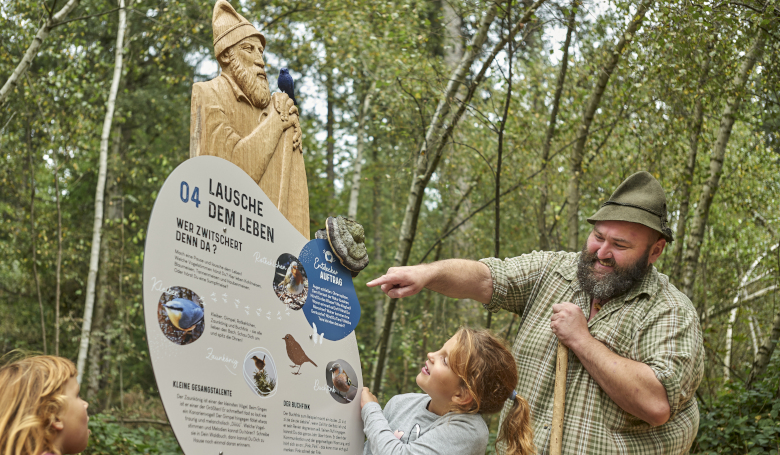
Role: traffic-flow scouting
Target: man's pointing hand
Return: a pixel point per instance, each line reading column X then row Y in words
column 401, row 282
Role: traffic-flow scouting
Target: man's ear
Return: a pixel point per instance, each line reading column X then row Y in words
column 656, row 250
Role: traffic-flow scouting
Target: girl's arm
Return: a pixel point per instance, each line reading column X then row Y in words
column 460, row 435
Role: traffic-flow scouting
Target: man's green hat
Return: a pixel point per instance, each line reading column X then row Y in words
column 639, row 199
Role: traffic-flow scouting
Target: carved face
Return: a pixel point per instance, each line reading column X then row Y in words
column 247, row 67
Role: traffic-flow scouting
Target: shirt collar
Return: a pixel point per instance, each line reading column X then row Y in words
column 236, row 90
column 648, row 285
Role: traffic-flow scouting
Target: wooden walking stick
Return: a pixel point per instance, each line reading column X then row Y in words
column 559, row 400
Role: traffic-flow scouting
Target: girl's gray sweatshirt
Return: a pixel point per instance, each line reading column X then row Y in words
column 407, row 427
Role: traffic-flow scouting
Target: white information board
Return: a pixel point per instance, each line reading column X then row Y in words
column 249, row 324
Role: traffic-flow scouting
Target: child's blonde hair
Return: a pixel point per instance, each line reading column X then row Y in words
column 489, row 373
column 31, row 398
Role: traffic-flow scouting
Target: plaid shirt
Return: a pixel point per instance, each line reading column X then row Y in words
column 653, row 323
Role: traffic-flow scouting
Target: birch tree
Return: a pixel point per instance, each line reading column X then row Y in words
column 86, row 326
column 541, row 223
column 701, row 216
column 578, row 153
column 357, row 167
column 32, row 50
column 430, row 153
column 690, row 167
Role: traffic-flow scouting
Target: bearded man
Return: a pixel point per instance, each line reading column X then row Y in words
column 636, row 354
column 235, row 117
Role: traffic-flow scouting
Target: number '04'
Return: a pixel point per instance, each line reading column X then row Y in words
column 184, row 194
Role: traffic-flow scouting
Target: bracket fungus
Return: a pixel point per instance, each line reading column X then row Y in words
column 347, row 240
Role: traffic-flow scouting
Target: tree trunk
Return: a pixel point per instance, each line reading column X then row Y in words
column 541, row 218
column 739, row 298
column 500, row 151
column 33, row 235
column 331, row 141
column 58, row 272
column 765, row 352
column 357, row 168
column 702, row 213
column 690, row 168
column 96, row 351
column 429, row 155
column 575, row 160
column 32, row 51
column 101, row 184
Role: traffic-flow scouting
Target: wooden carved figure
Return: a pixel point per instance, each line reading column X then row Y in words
column 235, row 117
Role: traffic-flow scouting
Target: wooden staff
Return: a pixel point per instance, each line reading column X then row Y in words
column 559, row 400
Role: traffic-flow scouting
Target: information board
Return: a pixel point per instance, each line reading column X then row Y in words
column 249, row 324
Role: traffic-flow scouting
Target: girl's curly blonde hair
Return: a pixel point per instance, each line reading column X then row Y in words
column 31, row 398
column 489, row 373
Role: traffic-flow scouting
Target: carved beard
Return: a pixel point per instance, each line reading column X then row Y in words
column 254, row 87
column 604, row 286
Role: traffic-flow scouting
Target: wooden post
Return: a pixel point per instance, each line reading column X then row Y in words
column 559, row 400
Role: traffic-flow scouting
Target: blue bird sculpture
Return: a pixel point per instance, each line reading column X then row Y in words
column 184, row 314
column 286, row 84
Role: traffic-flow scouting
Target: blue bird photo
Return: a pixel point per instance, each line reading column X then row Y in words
column 184, row 314
column 286, row 84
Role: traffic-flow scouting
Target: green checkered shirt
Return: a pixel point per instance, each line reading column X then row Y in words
column 654, row 323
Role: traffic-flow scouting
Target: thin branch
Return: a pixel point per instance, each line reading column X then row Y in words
column 85, row 17
column 478, row 153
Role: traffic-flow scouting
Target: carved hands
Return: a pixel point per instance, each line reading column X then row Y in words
column 288, row 114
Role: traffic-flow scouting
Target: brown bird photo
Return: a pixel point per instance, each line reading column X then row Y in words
column 341, row 381
column 296, row 354
column 260, row 364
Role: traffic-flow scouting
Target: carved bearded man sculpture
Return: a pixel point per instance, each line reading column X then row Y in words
column 235, row 117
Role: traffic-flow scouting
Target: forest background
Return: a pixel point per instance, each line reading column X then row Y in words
column 459, row 128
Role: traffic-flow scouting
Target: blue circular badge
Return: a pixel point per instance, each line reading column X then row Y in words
column 332, row 307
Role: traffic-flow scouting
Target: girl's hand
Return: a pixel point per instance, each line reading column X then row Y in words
column 367, row 397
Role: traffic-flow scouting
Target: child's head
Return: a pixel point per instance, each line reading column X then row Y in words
column 478, row 374
column 40, row 409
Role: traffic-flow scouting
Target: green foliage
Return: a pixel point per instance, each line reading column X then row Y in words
column 109, row 437
column 264, row 384
column 742, row 420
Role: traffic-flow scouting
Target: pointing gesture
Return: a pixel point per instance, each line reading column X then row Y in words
column 401, row 282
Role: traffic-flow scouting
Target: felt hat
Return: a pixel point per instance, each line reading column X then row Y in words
column 639, row 199
column 230, row 27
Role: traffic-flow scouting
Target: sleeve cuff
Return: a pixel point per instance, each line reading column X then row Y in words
column 671, row 384
column 496, row 267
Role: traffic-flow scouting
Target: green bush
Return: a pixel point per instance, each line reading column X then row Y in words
column 111, row 438
column 741, row 420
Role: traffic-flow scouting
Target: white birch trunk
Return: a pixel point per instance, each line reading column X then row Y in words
column 577, row 154
column 430, row 153
column 729, row 342
column 753, row 336
column 32, row 51
column 716, row 165
column 101, row 185
column 743, row 283
column 357, row 167
column 765, row 352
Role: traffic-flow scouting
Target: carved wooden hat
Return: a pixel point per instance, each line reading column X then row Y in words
column 230, row 27
column 639, row 199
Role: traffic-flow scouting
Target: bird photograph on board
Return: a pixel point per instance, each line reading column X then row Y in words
column 180, row 315
column 290, row 283
column 296, row 354
column 260, row 372
column 342, row 380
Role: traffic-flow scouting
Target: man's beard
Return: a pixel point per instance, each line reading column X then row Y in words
column 606, row 285
column 255, row 88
